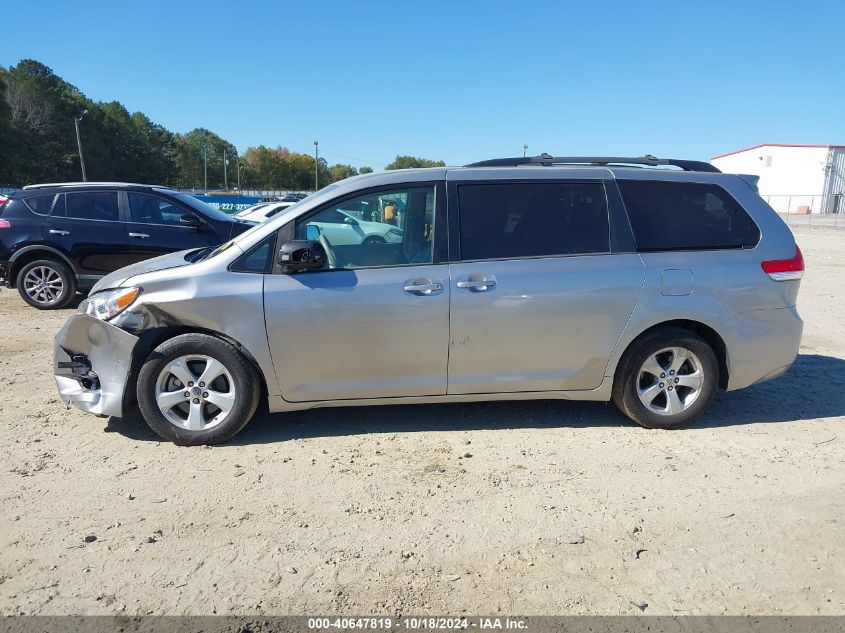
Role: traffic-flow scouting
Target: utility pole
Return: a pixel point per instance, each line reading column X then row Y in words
column 316, row 165
column 225, row 175
column 76, row 121
column 524, row 150
column 205, row 165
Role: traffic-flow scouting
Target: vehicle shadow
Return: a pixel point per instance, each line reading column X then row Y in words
column 813, row 388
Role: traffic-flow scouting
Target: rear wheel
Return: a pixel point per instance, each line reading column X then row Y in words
column 46, row 284
column 196, row 389
column 666, row 379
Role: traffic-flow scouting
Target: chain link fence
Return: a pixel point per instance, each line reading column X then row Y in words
column 810, row 210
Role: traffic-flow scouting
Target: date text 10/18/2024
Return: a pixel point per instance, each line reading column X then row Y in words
column 421, row 623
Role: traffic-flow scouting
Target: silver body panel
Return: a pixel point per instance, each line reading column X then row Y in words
column 359, row 334
column 548, row 324
column 551, row 327
column 109, row 349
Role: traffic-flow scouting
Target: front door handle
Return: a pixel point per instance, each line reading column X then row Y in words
column 477, row 283
column 423, row 287
column 140, row 236
column 58, row 232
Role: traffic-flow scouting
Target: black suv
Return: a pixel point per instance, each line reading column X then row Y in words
column 57, row 239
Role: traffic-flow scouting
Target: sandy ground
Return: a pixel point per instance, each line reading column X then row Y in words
column 443, row 509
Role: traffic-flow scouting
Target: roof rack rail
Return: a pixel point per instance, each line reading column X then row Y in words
column 598, row 161
column 93, row 183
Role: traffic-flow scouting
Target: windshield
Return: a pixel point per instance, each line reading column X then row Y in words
column 206, row 209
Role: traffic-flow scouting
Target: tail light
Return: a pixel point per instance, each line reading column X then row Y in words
column 5, row 224
column 785, row 269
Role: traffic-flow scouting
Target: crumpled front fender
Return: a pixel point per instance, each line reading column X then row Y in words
column 108, row 351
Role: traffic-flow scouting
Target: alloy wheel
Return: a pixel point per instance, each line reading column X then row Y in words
column 195, row 392
column 44, row 285
column 670, row 381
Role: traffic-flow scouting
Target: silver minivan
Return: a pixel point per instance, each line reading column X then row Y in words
column 648, row 282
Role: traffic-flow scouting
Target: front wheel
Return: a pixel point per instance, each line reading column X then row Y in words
column 666, row 379
column 196, row 389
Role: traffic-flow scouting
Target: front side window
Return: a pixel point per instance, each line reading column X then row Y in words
column 93, row 205
column 508, row 220
column 669, row 216
column 148, row 209
column 390, row 228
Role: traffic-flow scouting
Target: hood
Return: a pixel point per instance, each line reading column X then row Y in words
column 121, row 276
column 239, row 226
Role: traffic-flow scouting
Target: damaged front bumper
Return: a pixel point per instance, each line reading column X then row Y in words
column 91, row 363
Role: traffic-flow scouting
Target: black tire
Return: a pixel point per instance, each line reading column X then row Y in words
column 625, row 383
column 62, row 280
column 245, row 381
column 374, row 239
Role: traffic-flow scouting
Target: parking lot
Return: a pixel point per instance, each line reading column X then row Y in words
column 531, row 508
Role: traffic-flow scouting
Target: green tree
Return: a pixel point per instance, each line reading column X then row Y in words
column 40, row 107
column 38, row 144
column 340, row 172
column 190, row 159
column 37, row 111
column 266, row 168
column 411, row 162
column 9, row 141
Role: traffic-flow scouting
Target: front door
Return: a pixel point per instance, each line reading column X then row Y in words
column 154, row 228
column 375, row 323
column 538, row 300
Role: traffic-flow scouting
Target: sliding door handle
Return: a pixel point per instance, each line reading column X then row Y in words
column 477, row 284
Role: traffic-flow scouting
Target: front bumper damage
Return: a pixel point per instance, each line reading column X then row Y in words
column 91, row 363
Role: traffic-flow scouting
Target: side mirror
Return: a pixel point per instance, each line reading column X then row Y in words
column 191, row 220
column 296, row 256
column 312, row 232
column 351, row 220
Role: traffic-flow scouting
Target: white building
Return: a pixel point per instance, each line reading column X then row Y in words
column 793, row 178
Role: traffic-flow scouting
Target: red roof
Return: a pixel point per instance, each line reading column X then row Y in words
column 738, row 151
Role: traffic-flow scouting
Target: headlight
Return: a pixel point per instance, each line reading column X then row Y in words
column 107, row 304
column 396, row 232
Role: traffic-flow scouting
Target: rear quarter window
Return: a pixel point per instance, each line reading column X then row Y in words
column 667, row 216
column 40, row 204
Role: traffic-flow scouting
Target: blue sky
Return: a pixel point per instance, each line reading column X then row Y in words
column 458, row 81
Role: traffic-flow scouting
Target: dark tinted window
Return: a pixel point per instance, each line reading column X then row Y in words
column 147, row 209
column 257, row 260
column 93, row 205
column 686, row 215
column 532, row 220
column 41, row 204
column 59, row 208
